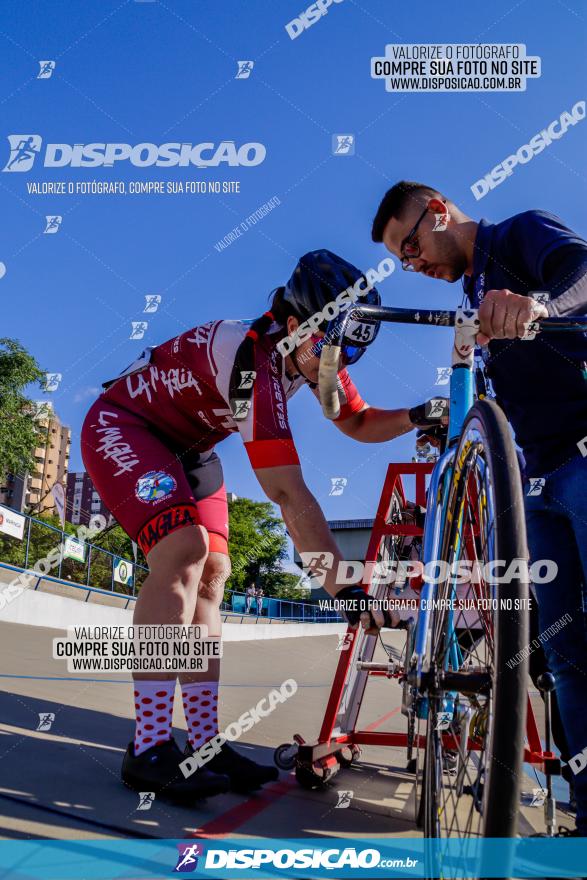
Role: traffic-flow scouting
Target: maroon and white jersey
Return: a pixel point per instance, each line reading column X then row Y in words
column 181, row 388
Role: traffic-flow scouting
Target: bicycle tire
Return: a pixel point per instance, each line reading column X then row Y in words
column 486, row 437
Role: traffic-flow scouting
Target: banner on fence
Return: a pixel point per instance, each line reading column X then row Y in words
column 11, row 523
column 74, row 549
column 123, row 571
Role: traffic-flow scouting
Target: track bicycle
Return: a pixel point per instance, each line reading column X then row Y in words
column 464, row 677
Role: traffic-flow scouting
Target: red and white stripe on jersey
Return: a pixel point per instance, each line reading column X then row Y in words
column 183, row 392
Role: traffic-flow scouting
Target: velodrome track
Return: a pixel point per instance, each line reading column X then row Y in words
column 64, row 783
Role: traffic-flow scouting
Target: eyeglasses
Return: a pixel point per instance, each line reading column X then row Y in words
column 410, row 246
column 349, row 354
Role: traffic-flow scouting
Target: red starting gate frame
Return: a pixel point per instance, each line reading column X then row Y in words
column 339, row 730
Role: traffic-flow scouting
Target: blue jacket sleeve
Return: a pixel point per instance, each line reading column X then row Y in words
column 556, row 257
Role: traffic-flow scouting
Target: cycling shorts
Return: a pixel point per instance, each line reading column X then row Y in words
column 149, row 487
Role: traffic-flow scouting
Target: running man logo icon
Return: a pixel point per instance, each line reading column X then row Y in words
column 436, row 408
column 338, row 485
column 138, row 329
column 443, row 375
column 443, row 720
column 146, row 800
column 536, row 486
column 187, row 860
column 53, row 224
column 343, row 145
column 24, row 149
column 46, row 69
column 531, row 329
column 317, row 564
column 247, row 379
column 152, row 302
column 245, row 68
column 240, row 408
column 538, row 797
column 52, row 381
column 344, row 800
column 440, row 222
column 541, row 296
column 46, row 720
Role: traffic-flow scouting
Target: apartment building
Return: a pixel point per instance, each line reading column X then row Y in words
column 82, row 500
column 32, row 492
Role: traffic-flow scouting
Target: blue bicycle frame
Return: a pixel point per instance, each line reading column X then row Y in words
column 462, row 395
column 461, row 401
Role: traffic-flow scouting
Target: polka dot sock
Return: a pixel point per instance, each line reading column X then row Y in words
column 154, row 711
column 200, row 705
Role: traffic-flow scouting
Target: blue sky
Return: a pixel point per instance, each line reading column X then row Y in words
column 164, row 71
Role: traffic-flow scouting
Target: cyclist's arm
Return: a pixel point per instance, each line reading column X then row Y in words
column 302, row 515
column 373, row 425
column 365, row 423
column 310, row 534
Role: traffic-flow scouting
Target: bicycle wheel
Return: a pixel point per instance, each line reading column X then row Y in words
column 476, row 701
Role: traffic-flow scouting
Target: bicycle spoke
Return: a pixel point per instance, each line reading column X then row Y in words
column 465, row 640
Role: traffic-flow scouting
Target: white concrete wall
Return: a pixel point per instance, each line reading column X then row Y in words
column 36, row 608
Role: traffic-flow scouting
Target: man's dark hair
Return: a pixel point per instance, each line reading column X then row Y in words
column 396, row 202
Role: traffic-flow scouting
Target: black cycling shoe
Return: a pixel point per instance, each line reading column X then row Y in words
column 157, row 770
column 245, row 775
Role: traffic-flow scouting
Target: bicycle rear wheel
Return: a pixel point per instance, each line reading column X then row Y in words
column 476, row 690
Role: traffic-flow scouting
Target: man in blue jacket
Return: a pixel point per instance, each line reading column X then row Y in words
column 541, row 385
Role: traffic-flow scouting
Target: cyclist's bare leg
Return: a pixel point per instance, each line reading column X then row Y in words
column 207, row 612
column 169, row 593
column 200, row 690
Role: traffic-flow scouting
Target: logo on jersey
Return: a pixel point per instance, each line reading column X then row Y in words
column 154, row 486
column 162, row 524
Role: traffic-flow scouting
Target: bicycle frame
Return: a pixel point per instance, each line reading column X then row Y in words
column 462, row 394
column 466, row 323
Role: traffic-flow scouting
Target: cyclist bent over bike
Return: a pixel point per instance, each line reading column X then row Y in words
column 148, row 443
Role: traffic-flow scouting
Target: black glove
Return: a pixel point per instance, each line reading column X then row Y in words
column 357, row 601
column 429, row 414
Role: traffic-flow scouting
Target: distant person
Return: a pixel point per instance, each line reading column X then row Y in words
column 259, row 594
column 250, row 594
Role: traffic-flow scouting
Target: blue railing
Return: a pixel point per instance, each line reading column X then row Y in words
column 99, row 565
column 98, row 573
column 272, row 609
column 269, row 606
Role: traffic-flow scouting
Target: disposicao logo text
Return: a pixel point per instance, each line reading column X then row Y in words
column 25, row 148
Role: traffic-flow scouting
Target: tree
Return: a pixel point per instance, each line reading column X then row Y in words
column 287, row 587
column 257, row 545
column 43, row 540
column 19, row 434
column 115, row 540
